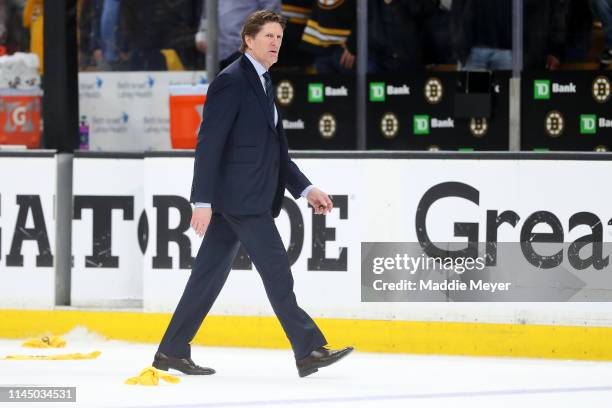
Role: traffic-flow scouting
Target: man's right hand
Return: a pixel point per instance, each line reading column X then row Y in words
column 200, row 219
column 347, row 59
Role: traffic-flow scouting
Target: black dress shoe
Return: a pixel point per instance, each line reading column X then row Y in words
column 321, row 357
column 184, row 365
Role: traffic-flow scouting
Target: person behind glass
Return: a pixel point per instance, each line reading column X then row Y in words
column 406, row 35
column 545, row 33
column 482, row 34
column 331, row 36
column 106, row 51
column 156, row 35
column 98, row 28
column 241, row 170
column 231, row 14
column 141, row 26
column 33, row 19
column 603, row 10
column 293, row 59
column 16, row 35
column 3, row 24
column 579, row 30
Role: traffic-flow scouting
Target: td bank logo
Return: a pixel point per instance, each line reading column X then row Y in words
column 315, row 93
column 541, row 89
column 588, row 124
column 377, row 92
column 420, row 124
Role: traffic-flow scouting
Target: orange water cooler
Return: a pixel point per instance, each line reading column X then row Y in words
column 186, row 103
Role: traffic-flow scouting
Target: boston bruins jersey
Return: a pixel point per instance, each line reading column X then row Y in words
column 332, row 23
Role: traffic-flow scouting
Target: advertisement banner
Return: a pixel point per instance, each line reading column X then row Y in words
column 540, row 227
column 565, row 110
column 106, row 231
column 420, row 112
column 129, row 111
column 27, row 230
column 317, row 245
column 420, row 202
column 318, row 111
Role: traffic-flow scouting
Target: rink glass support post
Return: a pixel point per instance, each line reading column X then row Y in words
column 61, row 92
column 515, row 82
column 515, row 115
column 212, row 50
column 362, row 68
column 63, row 229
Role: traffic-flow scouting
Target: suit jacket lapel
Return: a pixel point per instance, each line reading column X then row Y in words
column 279, row 126
column 258, row 89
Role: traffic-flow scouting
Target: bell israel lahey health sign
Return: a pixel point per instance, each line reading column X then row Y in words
column 129, row 111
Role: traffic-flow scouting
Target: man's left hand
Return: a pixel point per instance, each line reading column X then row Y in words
column 347, row 60
column 320, row 201
column 552, row 62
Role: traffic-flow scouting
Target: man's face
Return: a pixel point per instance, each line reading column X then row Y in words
column 264, row 47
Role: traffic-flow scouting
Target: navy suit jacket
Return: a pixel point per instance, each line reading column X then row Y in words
column 242, row 163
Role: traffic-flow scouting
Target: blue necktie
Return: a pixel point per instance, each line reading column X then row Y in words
column 269, row 92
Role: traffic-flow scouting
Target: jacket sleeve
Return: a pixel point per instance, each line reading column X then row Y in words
column 557, row 30
column 461, row 23
column 220, row 110
column 94, row 16
column 296, row 180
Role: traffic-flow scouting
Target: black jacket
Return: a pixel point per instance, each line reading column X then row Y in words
column 242, row 164
column 396, row 32
column 159, row 24
column 481, row 23
column 545, row 31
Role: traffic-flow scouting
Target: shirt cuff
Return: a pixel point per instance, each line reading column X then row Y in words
column 202, row 205
column 307, row 190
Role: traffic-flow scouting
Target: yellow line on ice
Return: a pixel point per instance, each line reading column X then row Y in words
column 388, row 336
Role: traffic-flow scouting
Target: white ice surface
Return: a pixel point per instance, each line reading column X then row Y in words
column 260, row 378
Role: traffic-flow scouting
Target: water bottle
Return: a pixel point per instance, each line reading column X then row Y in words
column 83, row 134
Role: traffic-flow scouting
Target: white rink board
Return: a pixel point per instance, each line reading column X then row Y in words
column 96, row 283
column 27, row 285
column 382, row 197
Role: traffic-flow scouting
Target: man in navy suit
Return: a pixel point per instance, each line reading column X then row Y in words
column 241, row 170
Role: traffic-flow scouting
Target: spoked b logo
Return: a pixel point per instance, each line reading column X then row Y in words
column 434, row 90
column 389, row 125
column 327, row 125
column 554, row 123
column 284, row 93
column 601, row 89
column 479, row 126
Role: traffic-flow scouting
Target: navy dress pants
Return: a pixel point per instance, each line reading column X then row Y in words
column 212, row 265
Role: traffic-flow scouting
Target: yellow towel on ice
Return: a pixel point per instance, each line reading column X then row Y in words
column 151, row 376
column 45, row 342
column 74, row 356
